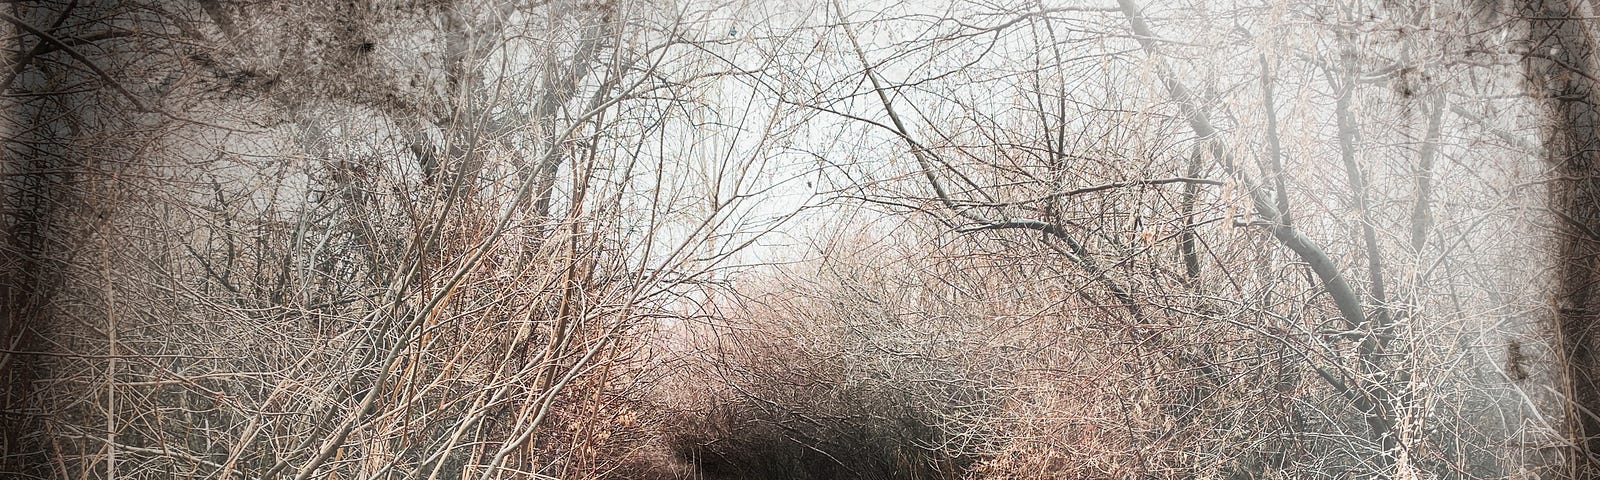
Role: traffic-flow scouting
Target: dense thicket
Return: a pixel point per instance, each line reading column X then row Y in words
column 651, row 240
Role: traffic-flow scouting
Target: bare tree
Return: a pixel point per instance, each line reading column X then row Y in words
column 1559, row 58
column 649, row 240
column 361, row 239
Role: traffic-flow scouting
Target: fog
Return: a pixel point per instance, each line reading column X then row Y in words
column 800, row 240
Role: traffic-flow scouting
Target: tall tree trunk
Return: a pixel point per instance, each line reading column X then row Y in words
column 1559, row 64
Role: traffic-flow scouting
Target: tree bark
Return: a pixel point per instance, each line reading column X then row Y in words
column 1559, row 64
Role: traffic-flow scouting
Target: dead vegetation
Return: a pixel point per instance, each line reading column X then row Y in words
column 655, row 240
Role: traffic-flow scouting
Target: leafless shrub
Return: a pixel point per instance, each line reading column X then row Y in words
column 488, row 239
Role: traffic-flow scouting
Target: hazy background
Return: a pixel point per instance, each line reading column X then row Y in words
column 886, row 240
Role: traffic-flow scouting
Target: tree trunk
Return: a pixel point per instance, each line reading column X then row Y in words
column 1558, row 64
